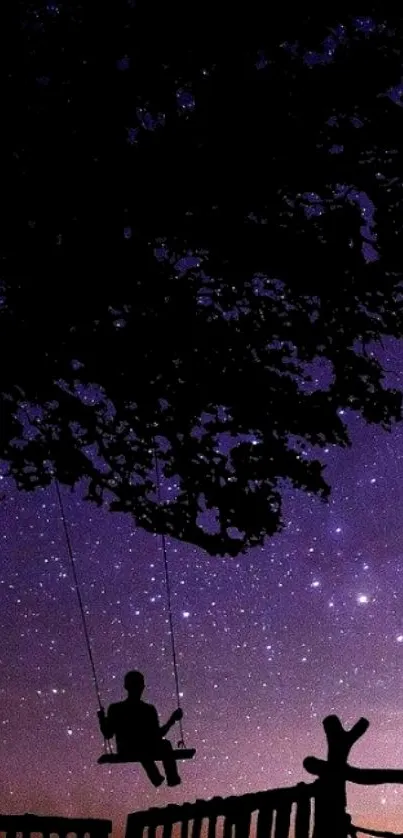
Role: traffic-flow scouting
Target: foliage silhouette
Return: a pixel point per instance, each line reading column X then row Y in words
column 192, row 233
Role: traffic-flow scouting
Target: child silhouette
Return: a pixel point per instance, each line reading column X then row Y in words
column 138, row 734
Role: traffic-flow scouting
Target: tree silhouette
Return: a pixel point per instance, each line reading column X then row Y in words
column 201, row 252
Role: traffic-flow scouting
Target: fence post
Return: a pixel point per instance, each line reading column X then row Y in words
column 331, row 820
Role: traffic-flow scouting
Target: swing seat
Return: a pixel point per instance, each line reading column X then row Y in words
column 111, row 759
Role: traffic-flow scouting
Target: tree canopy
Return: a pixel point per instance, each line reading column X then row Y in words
column 199, row 256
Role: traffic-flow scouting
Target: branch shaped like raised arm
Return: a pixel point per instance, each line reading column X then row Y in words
column 340, row 741
column 352, row 774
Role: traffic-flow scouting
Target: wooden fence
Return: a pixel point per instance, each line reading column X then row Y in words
column 261, row 815
column 27, row 825
column 315, row 810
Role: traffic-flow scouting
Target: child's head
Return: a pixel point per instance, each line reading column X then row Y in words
column 134, row 682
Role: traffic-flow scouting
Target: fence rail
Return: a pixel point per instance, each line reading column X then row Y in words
column 13, row 825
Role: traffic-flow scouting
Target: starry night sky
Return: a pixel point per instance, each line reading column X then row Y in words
column 268, row 643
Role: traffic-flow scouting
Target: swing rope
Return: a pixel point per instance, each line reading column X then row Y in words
column 80, row 604
column 181, row 743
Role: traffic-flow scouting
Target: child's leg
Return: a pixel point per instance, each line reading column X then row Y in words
column 152, row 771
column 169, row 763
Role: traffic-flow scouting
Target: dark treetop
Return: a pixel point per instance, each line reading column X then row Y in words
column 195, row 227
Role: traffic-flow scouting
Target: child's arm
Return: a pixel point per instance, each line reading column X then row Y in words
column 176, row 715
column 106, row 723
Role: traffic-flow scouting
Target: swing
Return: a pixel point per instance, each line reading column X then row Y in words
column 180, row 753
column 110, row 758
